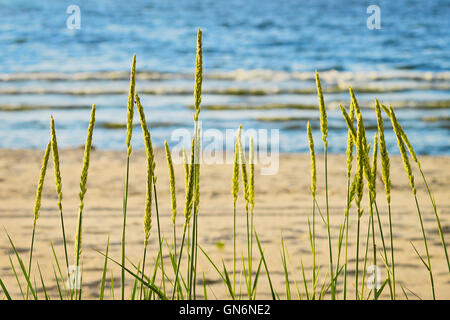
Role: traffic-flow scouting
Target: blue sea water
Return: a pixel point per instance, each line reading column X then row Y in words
column 265, row 50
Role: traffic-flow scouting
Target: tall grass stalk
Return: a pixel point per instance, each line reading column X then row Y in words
column 150, row 161
column 187, row 212
column 374, row 177
column 130, row 113
column 83, row 189
column 58, row 183
column 349, row 152
column 313, row 194
column 173, row 196
column 251, row 199
column 196, row 164
column 410, row 175
column 160, row 238
column 37, row 205
column 430, row 195
column 324, row 129
column 385, row 171
column 235, row 192
column 151, row 181
column 246, row 189
column 372, row 198
column 359, row 185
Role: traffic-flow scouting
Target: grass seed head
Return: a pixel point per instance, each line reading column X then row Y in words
column 313, row 161
column 58, row 180
column 235, row 181
column 402, row 149
column 150, row 158
column 374, row 166
column 360, row 151
column 172, row 182
column 190, row 190
column 198, row 75
column 83, row 181
column 130, row 105
column 243, row 170
column 349, row 150
column 385, row 163
column 37, row 202
column 251, row 191
column 323, row 111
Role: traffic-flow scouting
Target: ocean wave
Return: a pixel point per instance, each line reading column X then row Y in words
column 230, row 91
column 329, row 76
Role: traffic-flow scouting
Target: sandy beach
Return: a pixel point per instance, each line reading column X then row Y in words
column 283, row 205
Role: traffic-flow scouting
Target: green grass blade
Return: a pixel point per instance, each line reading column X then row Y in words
column 22, row 266
column 5, row 291
column 17, row 277
column 57, row 284
column 255, row 282
column 148, row 285
column 286, row 273
column 265, row 266
column 58, row 266
column 43, row 284
column 102, row 285
column 228, row 281
column 205, row 293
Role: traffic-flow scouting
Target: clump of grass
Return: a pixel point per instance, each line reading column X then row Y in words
column 407, row 165
column 412, row 153
column 183, row 285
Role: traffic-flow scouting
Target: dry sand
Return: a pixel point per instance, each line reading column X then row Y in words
column 283, row 205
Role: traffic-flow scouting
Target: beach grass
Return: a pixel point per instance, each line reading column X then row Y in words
column 178, row 278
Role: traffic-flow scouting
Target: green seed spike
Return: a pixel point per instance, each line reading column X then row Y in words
column 349, row 150
column 150, row 168
column 130, row 105
column 83, row 182
column 243, row 170
column 323, row 112
column 402, row 148
column 235, row 181
column 355, row 104
column 385, row 163
column 349, row 123
column 172, row 182
column 190, row 189
column 374, row 166
column 55, row 153
column 251, row 191
column 37, row 202
column 313, row 161
column 198, row 75
column 360, row 151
